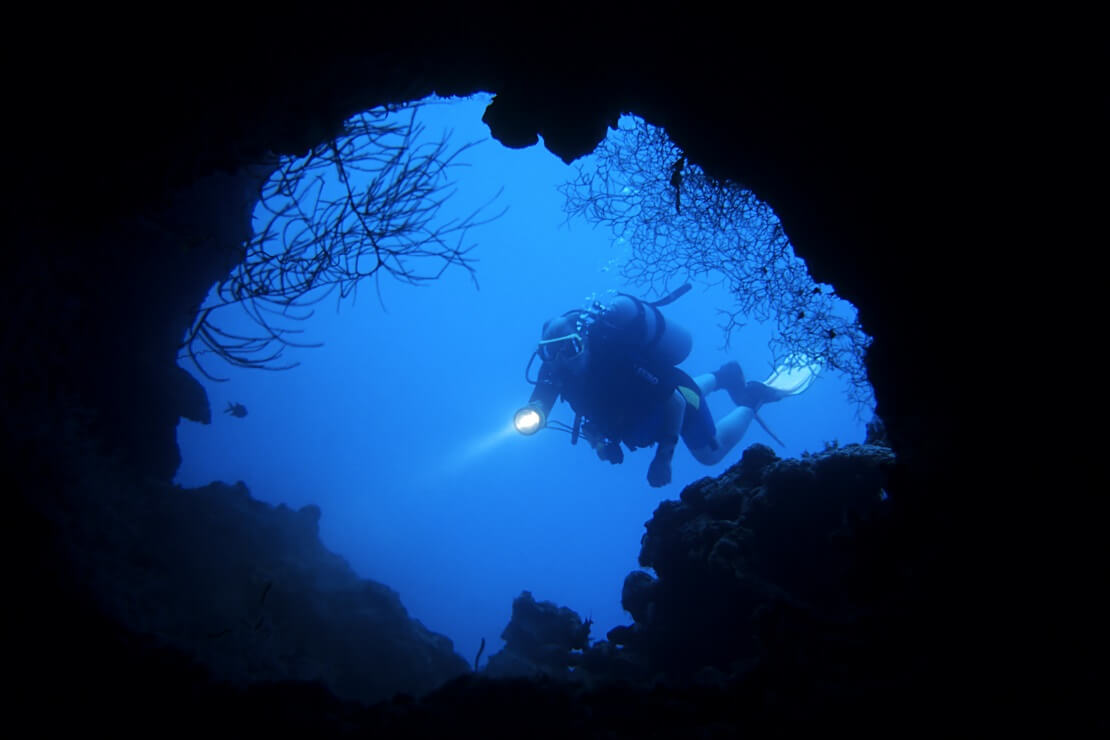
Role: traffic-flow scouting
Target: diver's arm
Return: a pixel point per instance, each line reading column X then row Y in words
column 546, row 392
column 674, row 408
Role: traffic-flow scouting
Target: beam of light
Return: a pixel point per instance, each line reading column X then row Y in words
column 470, row 452
column 485, row 444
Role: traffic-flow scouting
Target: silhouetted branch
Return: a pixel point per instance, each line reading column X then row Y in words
column 478, row 657
column 681, row 225
column 366, row 203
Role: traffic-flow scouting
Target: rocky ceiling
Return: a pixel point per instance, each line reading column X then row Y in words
column 877, row 161
column 859, row 155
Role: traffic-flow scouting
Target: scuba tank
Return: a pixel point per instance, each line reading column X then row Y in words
column 636, row 324
column 629, row 322
column 641, row 326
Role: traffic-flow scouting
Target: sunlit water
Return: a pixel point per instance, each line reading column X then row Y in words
column 399, row 427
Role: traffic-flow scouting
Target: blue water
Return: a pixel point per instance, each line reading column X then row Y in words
column 398, row 428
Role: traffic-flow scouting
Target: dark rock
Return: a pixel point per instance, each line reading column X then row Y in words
column 876, row 433
column 756, row 459
column 539, row 639
column 896, row 177
column 637, row 594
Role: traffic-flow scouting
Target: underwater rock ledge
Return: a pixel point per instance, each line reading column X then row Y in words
column 783, row 598
column 242, row 588
column 771, row 553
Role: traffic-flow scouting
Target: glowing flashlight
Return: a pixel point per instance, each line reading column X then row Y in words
column 528, row 420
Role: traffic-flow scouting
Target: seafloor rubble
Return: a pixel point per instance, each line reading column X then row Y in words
column 776, row 566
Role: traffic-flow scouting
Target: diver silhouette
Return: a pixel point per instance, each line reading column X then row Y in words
column 616, row 365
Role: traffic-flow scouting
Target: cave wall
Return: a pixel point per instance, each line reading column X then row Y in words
column 850, row 153
column 128, row 155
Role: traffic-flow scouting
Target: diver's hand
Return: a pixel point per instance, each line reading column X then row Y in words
column 659, row 472
column 611, row 453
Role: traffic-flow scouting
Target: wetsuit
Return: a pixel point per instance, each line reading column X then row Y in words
column 621, row 398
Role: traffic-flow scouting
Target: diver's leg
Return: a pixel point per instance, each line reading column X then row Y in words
column 706, row 383
column 730, row 377
column 730, row 430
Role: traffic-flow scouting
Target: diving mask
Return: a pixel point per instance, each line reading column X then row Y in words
column 561, row 348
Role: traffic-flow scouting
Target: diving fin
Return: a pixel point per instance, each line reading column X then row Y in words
column 794, row 376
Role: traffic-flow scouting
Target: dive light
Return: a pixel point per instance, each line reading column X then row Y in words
column 529, row 419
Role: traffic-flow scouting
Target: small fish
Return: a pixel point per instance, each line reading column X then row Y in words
column 236, row 409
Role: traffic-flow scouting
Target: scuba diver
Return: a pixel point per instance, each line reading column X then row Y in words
column 616, row 366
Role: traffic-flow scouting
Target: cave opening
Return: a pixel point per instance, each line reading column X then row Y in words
column 393, row 412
